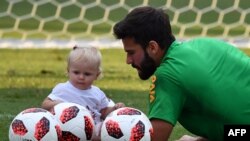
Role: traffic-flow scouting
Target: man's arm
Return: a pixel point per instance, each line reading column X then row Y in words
column 162, row 130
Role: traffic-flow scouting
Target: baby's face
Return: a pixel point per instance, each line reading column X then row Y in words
column 82, row 75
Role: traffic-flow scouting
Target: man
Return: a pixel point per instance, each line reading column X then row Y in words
column 202, row 83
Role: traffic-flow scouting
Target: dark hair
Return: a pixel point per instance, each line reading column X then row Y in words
column 144, row 24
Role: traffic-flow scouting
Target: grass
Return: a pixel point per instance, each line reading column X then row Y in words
column 28, row 75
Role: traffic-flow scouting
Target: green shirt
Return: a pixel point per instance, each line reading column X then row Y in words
column 204, row 84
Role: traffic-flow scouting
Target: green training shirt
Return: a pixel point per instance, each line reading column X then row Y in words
column 204, row 84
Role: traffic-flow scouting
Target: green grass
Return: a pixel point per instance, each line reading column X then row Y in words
column 28, row 75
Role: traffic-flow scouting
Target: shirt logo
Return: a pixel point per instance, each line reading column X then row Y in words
column 152, row 89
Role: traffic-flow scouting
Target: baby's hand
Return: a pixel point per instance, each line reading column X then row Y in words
column 119, row 105
column 55, row 102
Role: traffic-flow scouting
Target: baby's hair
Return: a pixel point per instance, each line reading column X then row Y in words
column 87, row 55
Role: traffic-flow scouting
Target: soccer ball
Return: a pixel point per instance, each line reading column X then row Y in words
column 34, row 124
column 126, row 124
column 75, row 120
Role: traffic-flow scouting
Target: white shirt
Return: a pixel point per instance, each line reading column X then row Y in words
column 93, row 98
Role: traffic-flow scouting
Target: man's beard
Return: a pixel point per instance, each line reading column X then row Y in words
column 147, row 68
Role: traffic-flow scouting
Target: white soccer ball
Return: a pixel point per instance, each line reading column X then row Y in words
column 34, row 124
column 126, row 124
column 75, row 120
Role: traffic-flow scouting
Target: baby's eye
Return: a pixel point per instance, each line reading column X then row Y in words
column 87, row 74
column 76, row 72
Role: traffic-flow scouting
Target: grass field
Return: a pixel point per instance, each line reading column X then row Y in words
column 28, row 75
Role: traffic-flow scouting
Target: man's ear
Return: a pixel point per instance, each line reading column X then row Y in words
column 153, row 48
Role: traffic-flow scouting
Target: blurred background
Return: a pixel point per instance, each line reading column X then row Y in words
column 36, row 36
column 64, row 23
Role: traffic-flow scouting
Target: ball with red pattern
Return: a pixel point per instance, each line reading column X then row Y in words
column 75, row 120
column 35, row 124
column 127, row 124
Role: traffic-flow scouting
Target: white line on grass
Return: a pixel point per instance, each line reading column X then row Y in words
column 99, row 43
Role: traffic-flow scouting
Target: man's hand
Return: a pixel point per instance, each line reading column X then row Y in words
column 190, row 138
